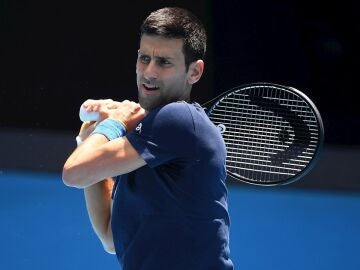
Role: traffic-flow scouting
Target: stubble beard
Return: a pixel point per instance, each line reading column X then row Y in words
column 149, row 102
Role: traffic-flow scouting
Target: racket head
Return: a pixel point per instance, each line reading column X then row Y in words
column 273, row 133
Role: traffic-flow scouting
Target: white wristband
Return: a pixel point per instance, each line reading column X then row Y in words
column 88, row 116
column 78, row 140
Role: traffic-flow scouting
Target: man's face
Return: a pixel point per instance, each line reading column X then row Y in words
column 161, row 73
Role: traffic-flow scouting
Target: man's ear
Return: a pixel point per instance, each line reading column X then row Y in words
column 195, row 71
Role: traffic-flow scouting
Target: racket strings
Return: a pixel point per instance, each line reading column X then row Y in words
column 266, row 129
column 270, row 134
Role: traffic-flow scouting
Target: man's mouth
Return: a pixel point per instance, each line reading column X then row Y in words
column 149, row 87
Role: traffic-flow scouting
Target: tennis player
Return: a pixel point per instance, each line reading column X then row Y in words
column 153, row 172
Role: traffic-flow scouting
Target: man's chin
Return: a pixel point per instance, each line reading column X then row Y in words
column 147, row 105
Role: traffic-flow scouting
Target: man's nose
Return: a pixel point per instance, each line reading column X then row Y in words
column 151, row 70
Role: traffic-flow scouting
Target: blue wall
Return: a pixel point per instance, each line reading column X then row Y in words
column 44, row 225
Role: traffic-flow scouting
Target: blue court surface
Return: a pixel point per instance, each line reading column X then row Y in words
column 44, row 225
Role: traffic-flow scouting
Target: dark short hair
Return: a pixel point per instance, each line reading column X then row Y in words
column 175, row 22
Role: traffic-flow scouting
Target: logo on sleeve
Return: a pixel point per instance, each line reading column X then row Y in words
column 138, row 128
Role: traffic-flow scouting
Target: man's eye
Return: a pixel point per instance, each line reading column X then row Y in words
column 164, row 62
column 144, row 59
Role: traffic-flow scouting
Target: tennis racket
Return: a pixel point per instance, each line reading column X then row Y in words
column 273, row 133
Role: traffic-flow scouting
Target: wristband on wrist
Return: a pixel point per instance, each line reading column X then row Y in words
column 110, row 128
column 78, row 140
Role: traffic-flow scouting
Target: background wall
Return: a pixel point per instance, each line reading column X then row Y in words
column 56, row 54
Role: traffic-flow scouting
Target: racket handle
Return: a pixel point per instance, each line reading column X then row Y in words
column 88, row 116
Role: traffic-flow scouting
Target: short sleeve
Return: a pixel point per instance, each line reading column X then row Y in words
column 166, row 133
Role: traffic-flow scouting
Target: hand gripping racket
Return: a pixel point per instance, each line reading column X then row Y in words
column 273, row 133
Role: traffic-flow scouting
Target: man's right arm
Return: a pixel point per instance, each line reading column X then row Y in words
column 97, row 159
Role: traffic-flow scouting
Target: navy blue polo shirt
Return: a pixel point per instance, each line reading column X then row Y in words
column 172, row 212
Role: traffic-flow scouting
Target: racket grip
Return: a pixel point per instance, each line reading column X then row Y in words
column 88, row 116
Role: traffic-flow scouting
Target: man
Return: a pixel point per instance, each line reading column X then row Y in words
column 168, row 206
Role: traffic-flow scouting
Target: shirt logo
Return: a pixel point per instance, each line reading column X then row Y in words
column 138, row 128
column 221, row 128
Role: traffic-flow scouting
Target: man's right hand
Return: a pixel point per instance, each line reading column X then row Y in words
column 127, row 112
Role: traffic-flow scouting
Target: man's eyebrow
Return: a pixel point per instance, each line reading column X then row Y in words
column 164, row 57
column 156, row 56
